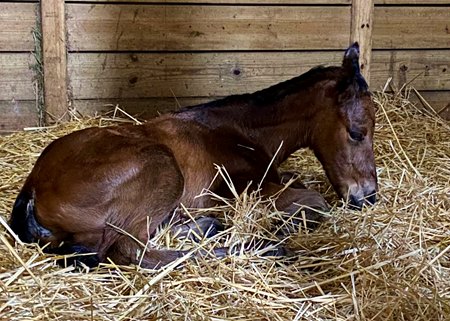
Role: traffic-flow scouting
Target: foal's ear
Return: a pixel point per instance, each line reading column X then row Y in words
column 351, row 59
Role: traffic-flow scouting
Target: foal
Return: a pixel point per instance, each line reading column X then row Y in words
column 128, row 175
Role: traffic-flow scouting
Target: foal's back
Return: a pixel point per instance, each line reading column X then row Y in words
column 99, row 175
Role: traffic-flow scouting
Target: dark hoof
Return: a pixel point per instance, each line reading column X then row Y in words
column 202, row 227
column 213, row 227
column 286, row 177
column 77, row 256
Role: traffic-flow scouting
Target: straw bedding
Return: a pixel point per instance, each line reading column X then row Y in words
column 389, row 262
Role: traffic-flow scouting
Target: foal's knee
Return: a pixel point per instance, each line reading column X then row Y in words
column 305, row 209
column 299, row 216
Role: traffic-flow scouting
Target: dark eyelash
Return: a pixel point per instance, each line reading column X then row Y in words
column 356, row 135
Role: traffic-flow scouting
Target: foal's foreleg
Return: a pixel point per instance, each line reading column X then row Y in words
column 206, row 226
column 301, row 207
column 127, row 251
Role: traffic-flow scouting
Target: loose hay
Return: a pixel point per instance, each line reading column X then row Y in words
column 389, row 262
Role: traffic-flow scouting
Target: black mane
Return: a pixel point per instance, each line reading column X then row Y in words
column 273, row 93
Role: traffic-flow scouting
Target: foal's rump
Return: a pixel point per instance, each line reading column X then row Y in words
column 107, row 180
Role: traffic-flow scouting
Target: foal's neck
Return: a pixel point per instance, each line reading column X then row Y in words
column 283, row 115
column 281, row 128
column 278, row 127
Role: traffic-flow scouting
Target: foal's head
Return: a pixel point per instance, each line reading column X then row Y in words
column 342, row 139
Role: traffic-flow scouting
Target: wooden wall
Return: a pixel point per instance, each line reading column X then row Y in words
column 18, row 107
column 143, row 54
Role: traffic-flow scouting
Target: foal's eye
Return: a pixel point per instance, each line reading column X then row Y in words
column 356, row 135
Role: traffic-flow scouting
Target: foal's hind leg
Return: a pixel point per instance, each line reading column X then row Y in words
column 303, row 207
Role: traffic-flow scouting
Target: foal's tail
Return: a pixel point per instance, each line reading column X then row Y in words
column 23, row 219
column 23, row 222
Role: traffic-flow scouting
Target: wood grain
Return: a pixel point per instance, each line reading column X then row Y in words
column 16, row 115
column 411, row 27
column 54, row 58
column 280, row 2
column 178, row 27
column 427, row 69
column 205, row 27
column 16, row 76
column 185, row 75
column 17, row 21
column 439, row 100
column 361, row 32
column 409, row 2
column 141, row 108
column 110, row 75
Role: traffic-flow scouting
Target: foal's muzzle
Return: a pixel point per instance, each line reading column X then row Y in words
column 357, row 202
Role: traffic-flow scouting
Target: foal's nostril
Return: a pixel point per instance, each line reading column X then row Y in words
column 372, row 198
column 355, row 202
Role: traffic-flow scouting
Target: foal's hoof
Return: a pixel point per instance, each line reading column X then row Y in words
column 286, row 177
column 210, row 226
column 81, row 256
column 201, row 227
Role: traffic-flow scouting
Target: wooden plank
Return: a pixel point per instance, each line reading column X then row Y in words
column 109, row 75
column 17, row 115
column 54, row 58
column 17, row 21
column 185, row 75
column 16, row 76
column 428, row 69
column 290, row 2
column 439, row 100
column 411, row 27
column 141, row 108
column 178, row 27
column 414, row 2
column 361, row 31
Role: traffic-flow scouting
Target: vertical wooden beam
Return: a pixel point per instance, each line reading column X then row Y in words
column 361, row 31
column 54, row 59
